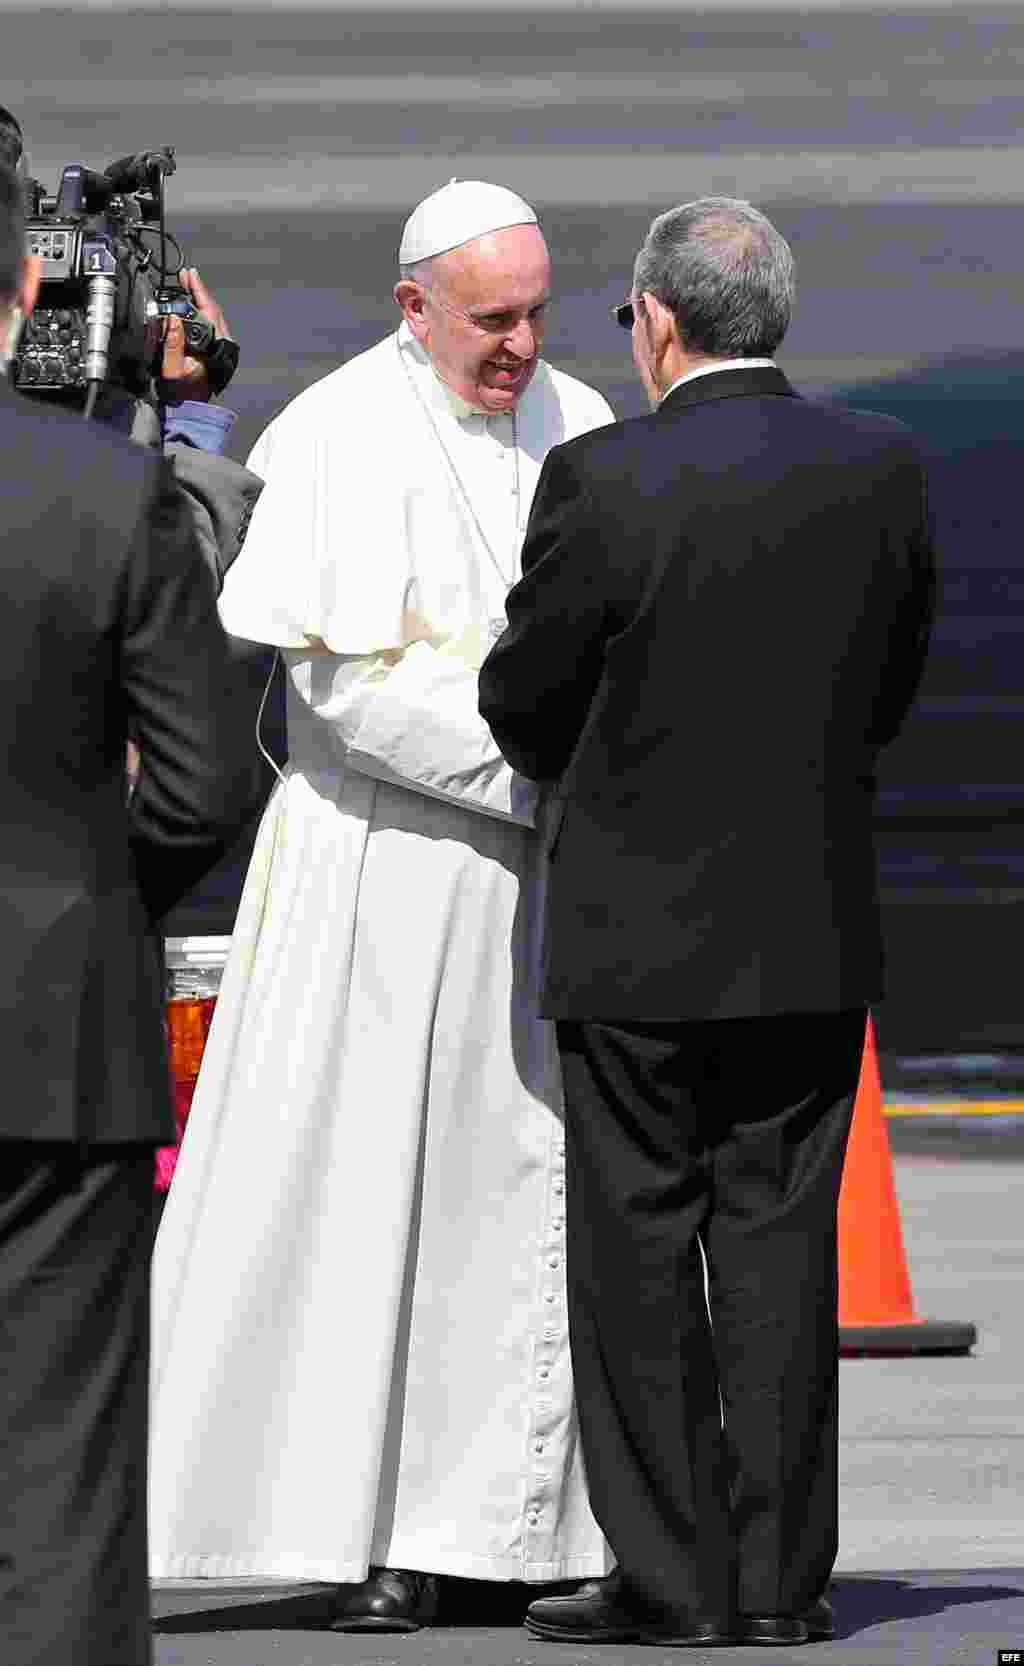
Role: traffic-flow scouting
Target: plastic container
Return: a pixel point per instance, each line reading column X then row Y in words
column 195, row 966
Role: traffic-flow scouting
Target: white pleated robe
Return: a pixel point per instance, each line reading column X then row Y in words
column 360, row 1352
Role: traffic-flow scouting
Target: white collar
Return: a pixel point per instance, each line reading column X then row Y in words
column 717, row 365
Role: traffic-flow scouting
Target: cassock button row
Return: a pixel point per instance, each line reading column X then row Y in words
column 553, row 1261
column 559, row 1188
column 544, row 1372
column 549, row 1297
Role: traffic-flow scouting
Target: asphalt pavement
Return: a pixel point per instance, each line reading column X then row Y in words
column 931, row 1560
column 886, row 143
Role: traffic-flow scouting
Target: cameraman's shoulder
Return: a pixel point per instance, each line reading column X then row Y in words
column 103, row 465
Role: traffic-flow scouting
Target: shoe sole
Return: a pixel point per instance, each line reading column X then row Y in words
column 748, row 1639
column 372, row 1623
column 624, row 1634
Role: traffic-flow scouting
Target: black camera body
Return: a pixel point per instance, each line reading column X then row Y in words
column 103, row 295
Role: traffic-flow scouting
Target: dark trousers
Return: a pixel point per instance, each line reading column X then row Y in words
column 75, row 1240
column 711, row 1446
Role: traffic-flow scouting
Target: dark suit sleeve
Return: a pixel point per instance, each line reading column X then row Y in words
column 539, row 680
column 192, row 715
column 904, row 667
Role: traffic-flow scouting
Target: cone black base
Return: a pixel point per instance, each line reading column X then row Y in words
column 919, row 1336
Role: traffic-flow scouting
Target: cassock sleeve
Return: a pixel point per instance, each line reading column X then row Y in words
column 539, row 680
column 411, row 720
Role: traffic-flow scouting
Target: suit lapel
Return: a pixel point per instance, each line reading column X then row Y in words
column 727, row 384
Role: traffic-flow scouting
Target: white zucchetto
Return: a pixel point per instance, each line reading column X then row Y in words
column 458, row 212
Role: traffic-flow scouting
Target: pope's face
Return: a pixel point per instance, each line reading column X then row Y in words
column 480, row 315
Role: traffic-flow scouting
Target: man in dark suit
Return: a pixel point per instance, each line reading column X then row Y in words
column 723, row 616
column 111, row 629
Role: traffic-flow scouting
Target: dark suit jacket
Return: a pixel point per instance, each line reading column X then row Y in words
column 724, row 614
column 110, row 628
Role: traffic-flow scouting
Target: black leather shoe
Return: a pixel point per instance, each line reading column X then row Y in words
column 819, row 1620
column 391, row 1599
column 770, row 1628
column 600, row 1613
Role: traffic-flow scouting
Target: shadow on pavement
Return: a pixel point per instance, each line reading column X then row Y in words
column 463, row 1602
column 859, row 1600
column 864, row 1600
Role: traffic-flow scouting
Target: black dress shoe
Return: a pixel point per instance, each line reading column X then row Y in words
column 600, row 1612
column 771, row 1628
column 391, row 1599
column 819, row 1620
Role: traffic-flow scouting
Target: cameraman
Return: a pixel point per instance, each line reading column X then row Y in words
column 115, row 630
column 192, row 431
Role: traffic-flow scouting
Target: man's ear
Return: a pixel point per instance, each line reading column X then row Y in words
column 28, row 289
column 409, row 296
column 660, row 321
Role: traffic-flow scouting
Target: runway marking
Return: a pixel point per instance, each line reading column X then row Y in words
column 953, row 1107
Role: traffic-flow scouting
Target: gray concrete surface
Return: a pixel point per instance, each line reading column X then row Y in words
column 931, row 1564
column 896, row 1619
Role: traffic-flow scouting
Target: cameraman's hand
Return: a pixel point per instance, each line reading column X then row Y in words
column 181, row 376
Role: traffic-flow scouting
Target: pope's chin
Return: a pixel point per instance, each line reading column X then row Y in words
column 499, row 389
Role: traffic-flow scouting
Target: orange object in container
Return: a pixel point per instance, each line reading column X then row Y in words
column 194, row 969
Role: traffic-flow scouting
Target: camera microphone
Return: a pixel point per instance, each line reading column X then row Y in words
column 139, row 172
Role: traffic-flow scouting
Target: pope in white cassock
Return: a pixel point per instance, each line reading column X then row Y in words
column 360, row 1356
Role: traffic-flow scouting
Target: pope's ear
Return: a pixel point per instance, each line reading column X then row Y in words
column 409, row 296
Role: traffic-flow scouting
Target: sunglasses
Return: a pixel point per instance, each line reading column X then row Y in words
column 623, row 314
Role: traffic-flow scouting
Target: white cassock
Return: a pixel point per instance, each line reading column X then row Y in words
column 360, row 1352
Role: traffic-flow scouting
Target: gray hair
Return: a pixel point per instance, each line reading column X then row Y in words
column 419, row 273
column 724, row 272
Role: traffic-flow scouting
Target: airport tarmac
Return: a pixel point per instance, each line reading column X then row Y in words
column 931, row 1561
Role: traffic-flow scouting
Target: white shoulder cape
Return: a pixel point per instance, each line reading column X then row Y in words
column 358, row 523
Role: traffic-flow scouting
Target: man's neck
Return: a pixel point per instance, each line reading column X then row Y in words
column 679, row 365
column 707, row 367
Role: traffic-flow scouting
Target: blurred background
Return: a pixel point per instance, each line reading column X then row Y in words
column 883, row 143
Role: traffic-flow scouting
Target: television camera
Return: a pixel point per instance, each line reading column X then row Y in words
column 105, row 292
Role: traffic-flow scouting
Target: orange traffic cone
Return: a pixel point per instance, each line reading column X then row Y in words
column 876, row 1310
